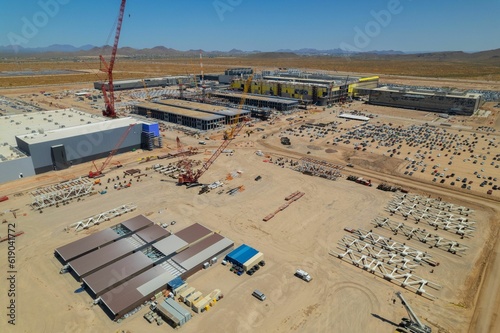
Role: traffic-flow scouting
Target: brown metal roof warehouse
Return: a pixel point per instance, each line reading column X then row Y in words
column 117, row 273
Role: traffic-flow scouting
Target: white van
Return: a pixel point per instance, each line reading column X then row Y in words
column 259, row 294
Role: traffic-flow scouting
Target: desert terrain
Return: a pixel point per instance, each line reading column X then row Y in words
column 341, row 297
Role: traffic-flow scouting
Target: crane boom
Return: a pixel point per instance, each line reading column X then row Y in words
column 414, row 325
column 189, row 177
column 99, row 171
column 109, row 110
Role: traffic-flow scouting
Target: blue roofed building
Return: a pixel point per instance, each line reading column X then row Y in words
column 241, row 255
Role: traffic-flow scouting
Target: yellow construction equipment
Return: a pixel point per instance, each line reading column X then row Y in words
column 229, row 133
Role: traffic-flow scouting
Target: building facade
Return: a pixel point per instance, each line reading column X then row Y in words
column 453, row 103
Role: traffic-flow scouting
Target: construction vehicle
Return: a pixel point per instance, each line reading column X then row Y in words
column 285, row 141
column 109, row 101
column 189, row 177
column 148, row 96
column 412, row 324
column 229, row 133
column 303, row 275
column 99, row 171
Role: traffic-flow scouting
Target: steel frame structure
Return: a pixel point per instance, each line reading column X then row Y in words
column 320, row 168
column 433, row 240
column 410, row 262
column 435, row 217
column 102, row 217
column 61, row 193
column 388, row 272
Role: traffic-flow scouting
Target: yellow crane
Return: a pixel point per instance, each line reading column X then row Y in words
column 229, row 133
column 148, row 96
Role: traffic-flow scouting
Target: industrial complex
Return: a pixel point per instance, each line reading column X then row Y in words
column 309, row 88
column 187, row 258
column 253, row 198
column 453, row 103
column 148, row 257
column 54, row 140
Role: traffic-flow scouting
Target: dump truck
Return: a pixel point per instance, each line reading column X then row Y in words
column 303, row 275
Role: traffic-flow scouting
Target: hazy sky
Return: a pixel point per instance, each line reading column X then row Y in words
column 266, row 25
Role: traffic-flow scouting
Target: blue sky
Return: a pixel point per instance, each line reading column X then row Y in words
column 266, row 25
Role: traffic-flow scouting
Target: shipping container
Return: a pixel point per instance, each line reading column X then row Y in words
column 193, row 298
column 186, row 293
column 201, row 304
column 179, row 289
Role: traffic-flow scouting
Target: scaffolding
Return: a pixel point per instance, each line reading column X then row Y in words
column 319, row 168
column 53, row 195
column 102, row 217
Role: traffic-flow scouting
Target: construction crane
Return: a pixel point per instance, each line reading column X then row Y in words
column 99, row 171
column 109, row 100
column 412, row 324
column 189, row 176
column 202, row 79
column 148, row 96
column 229, row 133
column 346, row 91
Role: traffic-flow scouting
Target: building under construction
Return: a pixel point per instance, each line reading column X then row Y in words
column 259, row 101
column 200, row 116
column 454, row 103
column 147, row 83
column 309, row 88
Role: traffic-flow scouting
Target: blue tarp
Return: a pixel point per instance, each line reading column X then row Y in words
column 175, row 283
column 241, row 255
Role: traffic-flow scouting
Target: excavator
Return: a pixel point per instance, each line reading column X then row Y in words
column 411, row 324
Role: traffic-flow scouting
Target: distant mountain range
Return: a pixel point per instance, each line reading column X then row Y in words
column 64, row 48
column 58, row 50
column 51, row 48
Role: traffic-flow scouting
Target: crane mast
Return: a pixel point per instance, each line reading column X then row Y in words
column 109, row 99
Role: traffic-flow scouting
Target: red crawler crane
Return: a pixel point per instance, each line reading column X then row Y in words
column 109, row 101
column 98, row 171
column 191, row 177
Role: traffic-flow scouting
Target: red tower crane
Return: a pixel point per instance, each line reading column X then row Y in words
column 98, row 171
column 109, row 101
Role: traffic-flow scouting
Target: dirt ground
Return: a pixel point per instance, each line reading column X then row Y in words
column 340, row 298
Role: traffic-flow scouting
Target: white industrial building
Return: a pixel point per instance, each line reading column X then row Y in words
column 33, row 143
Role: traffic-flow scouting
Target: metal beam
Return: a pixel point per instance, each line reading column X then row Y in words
column 102, row 217
column 61, row 193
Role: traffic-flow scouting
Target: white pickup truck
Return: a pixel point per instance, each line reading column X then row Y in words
column 303, row 275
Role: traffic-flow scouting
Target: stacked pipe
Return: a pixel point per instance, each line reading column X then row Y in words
column 290, row 199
